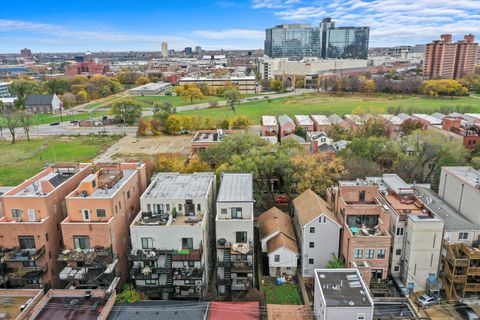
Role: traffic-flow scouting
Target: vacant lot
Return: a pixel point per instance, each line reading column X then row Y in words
column 66, row 116
column 322, row 104
column 287, row 293
column 23, row 159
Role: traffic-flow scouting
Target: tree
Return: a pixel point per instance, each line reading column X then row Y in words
column 192, row 93
column 223, row 124
column 155, row 126
column 299, row 83
column 69, row 99
column 57, row 86
column 232, row 97
column 82, row 95
column 128, row 110
column 162, row 111
column 142, row 128
column 410, row 125
column 3, row 125
column 335, row 263
column 170, row 163
column 26, row 122
column 240, row 122
column 197, row 165
column 359, row 168
column 277, row 85
column 11, row 122
column 373, row 127
column 316, row 172
column 128, row 294
column 141, row 81
column 22, row 88
column 443, row 88
column 173, row 124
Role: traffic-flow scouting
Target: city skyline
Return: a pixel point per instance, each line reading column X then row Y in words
column 224, row 24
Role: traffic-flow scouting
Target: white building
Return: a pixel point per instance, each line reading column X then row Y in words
column 234, row 233
column 150, row 89
column 4, row 93
column 317, row 230
column 460, row 188
column 341, row 294
column 171, row 236
column 278, row 242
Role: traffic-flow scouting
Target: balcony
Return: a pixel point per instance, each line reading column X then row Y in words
column 187, row 255
column 236, row 248
column 87, row 256
column 241, row 285
column 473, row 271
column 241, row 266
column 23, row 255
column 147, row 254
column 27, row 273
column 472, row 287
column 185, row 292
column 184, row 273
column 142, row 273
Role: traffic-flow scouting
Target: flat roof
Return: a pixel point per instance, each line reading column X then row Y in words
column 171, row 310
column 453, row 220
column 303, row 120
column 396, row 184
column 343, row 288
column 174, row 185
column 152, row 86
column 108, row 192
column 284, row 119
column 12, row 299
column 404, row 116
column 321, row 119
column 236, row 187
column 466, row 174
column 72, row 307
column 269, row 120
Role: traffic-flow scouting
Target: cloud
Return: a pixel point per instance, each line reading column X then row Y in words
column 392, row 22
column 231, row 34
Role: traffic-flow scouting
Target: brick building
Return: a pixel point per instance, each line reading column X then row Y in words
column 445, row 59
column 89, row 67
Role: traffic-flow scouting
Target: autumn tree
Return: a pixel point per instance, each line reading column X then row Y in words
column 443, row 88
column 410, row 125
column 142, row 128
column 155, row 126
column 192, row 93
column 141, row 81
column 173, row 124
column 240, row 122
column 170, row 163
column 197, row 165
column 277, row 85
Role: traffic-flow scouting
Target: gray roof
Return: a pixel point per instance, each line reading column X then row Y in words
column 39, row 99
column 180, row 186
column 325, row 147
column 171, row 310
column 454, row 220
column 394, row 182
column 404, row 116
column 294, row 137
column 438, row 115
column 335, row 119
column 284, row 119
column 236, row 187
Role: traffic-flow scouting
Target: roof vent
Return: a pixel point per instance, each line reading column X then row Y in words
column 351, row 303
column 322, row 275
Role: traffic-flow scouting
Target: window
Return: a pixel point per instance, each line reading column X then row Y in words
column 147, row 243
column 180, row 207
column 16, row 213
column 46, row 236
column 370, row 254
column 187, row 243
column 26, row 242
column 81, row 242
column 101, row 213
column 310, row 261
column 167, row 207
column 312, row 229
column 236, row 213
column 361, row 196
column 322, row 219
column 396, row 268
column 277, row 258
column 241, row 236
column 116, row 209
column 150, row 282
column 360, row 316
column 223, row 211
column 358, row 253
column 399, row 231
column 381, row 253
column 119, row 205
column 189, row 282
column 199, row 207
column 128, row 194
column 28, row 264
column 31, row 215
column 311, row 245
column 398, row 252
column 94, row 184
column 86, row 215
column 462, row 235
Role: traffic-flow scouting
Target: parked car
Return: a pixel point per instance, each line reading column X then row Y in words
column 428, row 300
column 54, row 123
column 282, row 199
column 465, row 311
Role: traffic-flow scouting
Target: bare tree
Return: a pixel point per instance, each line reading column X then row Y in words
column 11, row 122
column 26, row 122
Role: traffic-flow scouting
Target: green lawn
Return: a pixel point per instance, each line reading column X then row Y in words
column 24, row 159
column 66, row 116
column 322, row 104
column 287, row 293
column 176, row 101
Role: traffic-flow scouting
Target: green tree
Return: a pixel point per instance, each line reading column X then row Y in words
column 57, row 86
column 232, row 97
column 141, row 81
column 26, row 122
column 128, row 110
column 410, row 125
column 162, row 111
column 12, row 121
column 21, row 88
column 335, row 263
column 128, row 295
column 277, row 85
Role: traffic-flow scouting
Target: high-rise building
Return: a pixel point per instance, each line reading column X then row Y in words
column 164, row 49
column 326, row 41
column 445, row 59
column 198, row 49
column 188, row 50
column 26, row 53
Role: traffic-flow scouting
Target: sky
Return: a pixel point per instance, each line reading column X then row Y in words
column 119, row 25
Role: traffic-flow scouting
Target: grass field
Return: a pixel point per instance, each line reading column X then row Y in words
column 66, row 116
column 175, row 101
column 23, row 159
column 287, row 293
column 321, row 104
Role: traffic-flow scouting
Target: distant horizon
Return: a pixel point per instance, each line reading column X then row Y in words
column 52, row 27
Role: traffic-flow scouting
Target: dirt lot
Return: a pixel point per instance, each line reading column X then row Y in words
column 131, row 147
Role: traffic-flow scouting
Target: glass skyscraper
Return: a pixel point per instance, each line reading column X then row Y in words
column 296, row 41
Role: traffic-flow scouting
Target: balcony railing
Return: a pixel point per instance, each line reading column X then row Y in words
column 147, row 254
column 87, row 256
column 25, row 273
column 473, row 271
column 22, row 255
column 472, row 287
column 242, row 266
column 184, row 273
column 139, row 273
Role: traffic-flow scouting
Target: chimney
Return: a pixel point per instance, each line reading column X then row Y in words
column 469, row 38
column 446, row 38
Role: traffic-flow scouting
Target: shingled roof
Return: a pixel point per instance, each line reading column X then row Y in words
column 309, row 205
column 274, row 220
column 281, row 240
column 39, row 99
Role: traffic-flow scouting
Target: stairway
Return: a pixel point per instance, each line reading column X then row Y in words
column 227, row 274
column 168, row 265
